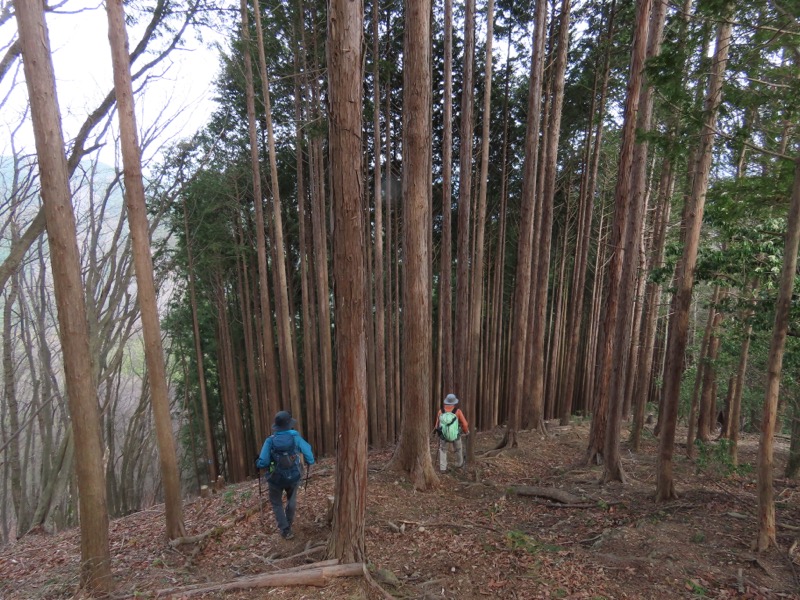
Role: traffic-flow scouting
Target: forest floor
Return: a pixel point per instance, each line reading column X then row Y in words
column 467, row 538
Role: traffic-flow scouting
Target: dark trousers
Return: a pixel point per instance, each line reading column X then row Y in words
column 283, row 516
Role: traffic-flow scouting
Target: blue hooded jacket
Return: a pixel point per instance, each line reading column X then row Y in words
column 266, row 450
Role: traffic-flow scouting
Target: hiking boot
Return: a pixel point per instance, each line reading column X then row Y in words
column 287, row 534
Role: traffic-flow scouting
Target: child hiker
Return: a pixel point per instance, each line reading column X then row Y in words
column 450, row 424
column 281, row 456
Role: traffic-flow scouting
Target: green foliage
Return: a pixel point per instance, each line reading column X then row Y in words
column 717, row 456
column 696, row 588
column 518, row 540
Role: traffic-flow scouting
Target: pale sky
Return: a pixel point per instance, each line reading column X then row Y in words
column 82, row 64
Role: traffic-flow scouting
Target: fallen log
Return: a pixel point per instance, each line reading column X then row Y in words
column 549, row 493
column 312, row 574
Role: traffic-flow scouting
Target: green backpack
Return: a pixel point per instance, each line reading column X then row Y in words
column 448, row 423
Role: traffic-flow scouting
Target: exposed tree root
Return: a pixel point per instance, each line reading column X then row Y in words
column 215, row 531
column 308, row 552
column 509, row 440
column 493, row 453
column 550, row 493
column 375, row 585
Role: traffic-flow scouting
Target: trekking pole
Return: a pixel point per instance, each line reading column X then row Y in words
column 260, row 499
column 308, row 472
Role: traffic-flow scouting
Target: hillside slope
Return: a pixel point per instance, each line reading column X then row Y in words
column 470, row 538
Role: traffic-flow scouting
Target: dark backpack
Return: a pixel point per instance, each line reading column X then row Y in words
column 284, row 460
column 448, row 423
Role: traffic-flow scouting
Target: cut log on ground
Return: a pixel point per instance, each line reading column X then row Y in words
column 549, row 493
column 316, row 574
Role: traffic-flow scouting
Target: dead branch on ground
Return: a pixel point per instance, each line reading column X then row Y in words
column 316, row 574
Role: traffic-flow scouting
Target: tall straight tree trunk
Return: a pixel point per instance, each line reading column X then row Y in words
column 701, row 368
column 143, row 263
column 267, row 341
column 587, row 200
column 541, row 283
column 285, row 330
column 766, row 503
column 607, row 413
column 462, row 348
column 211, row 459
column 651, row 304
column 413, row 450
column 556, row 336
column 95, row 569
column 636, row 332
column 306, row 306
column 369, row 305
column 391, row 387
column 497, row 375
column 476, row 305
column 593, row 327
column 708, row 374
column 243, row 288
column 522, row 284
column 237, row 463
column 345, row 76
column 637, row 198
column 446, row 262
column 681, row 300
column 19, row 489
column 319, row 234
column 732, row 424
column 380, row 306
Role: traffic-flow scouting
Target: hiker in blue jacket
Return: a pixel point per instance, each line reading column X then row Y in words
column 281, row 456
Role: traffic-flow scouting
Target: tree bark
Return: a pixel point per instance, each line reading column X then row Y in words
column 476, row 304
column 681, row 300
column 732, row 424
column 766, row 503
column 237, row 462
column 345, row 76
column 19, row 488
column 701, row 368
column 413, row 450
column 95, row 571
column 143, row 263
column 446, row 261
column 706, row 407
column 607, row 411
column 637, row 192
column 285, row 330
column 273, row 402
column 320, row 236
column 651, row 306
column 545, row 224
column 522, row 286
column 586, row 207
column 462, row 347
column 211, row 459
column 380, row 305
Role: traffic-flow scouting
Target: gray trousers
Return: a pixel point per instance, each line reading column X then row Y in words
column 283, row 517
column 457, row 446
